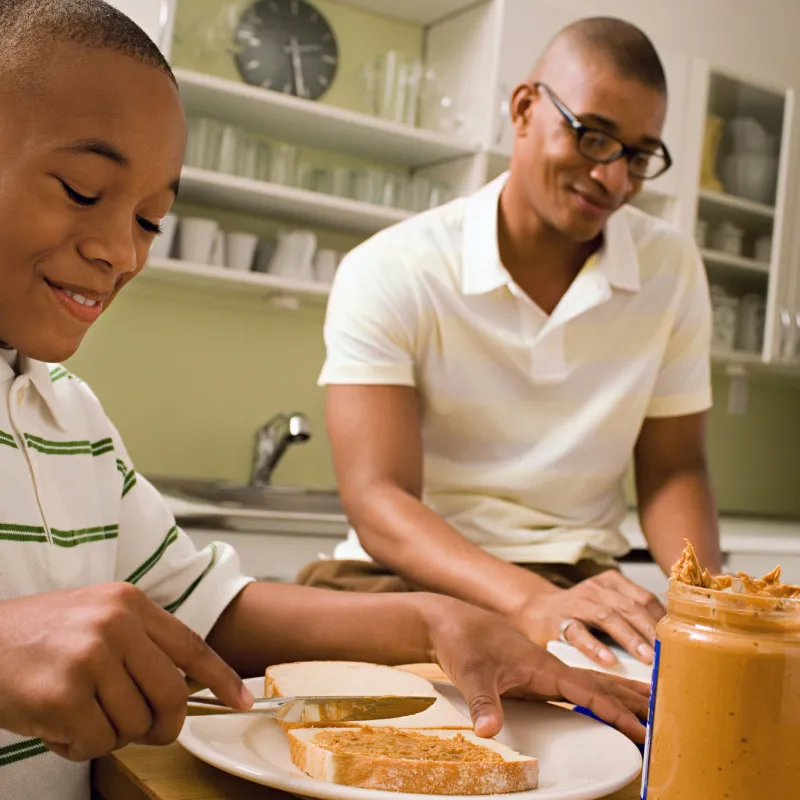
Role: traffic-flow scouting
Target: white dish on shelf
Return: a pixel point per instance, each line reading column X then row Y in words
column 579, row 758
column 751, row 175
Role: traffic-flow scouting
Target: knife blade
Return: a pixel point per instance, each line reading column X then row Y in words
column 324, row 710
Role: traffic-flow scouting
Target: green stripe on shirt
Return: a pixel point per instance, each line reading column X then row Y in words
column 84, row 535
column 8, row 440
column 22, row 533
column 175, row 605
column 21, row 750
column 75, row 448
column 35, row 533
column 128, row 483
column 144, row 568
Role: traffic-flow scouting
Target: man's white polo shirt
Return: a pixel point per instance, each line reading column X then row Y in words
column 528, row 421
column 74, row 513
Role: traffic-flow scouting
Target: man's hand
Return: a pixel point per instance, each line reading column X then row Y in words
column 486, row 657
column 608, row 601
column 91, row 670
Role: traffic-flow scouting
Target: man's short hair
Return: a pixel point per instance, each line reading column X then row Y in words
column 624, row 46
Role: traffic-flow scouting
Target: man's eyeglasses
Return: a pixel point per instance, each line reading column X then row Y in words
column 603, row 148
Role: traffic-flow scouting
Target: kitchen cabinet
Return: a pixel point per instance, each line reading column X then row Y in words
column 524, row 29
column 742, row 135
column 155, row 17
column 785, row 332
column 275, row 557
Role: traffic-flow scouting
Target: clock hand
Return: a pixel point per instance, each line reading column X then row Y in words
column 304, row 48
column 297, row 67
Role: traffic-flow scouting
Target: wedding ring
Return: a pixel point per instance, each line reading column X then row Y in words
column 562, row 629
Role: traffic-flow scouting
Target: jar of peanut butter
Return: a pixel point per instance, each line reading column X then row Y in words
column 725, row 704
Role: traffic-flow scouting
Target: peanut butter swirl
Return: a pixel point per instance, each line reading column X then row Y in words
column 687, row 570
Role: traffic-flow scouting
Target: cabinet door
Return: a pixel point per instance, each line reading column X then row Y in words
column 526, row 26
column 677, row 66
column 155, row 17
column 783, row 327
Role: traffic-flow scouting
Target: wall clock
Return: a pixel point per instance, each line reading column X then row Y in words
column 287, row 46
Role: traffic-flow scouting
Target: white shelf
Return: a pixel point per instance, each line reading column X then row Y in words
column 310, row 124
column 741, row 263
column 231, row 281
column 737, row 205
column 285, row 202
column 420, row 12
column 754, row 364
column 737, row 357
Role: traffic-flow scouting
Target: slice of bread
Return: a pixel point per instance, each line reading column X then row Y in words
column 331, row 678
column 442, row 762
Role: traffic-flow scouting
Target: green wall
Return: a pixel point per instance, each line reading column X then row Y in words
column 188, row 376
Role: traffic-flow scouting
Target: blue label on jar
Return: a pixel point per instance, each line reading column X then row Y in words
column 650, row 715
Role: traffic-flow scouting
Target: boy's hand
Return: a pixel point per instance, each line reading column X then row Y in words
column 90, row 670
column 485, row 658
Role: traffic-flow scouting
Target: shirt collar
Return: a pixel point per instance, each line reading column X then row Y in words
column 39, row 374
column 481, row 268
column 617, row 257
column 483, row 272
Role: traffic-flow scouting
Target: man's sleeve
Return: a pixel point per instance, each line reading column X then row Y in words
column 371, row 322
column 683, row 385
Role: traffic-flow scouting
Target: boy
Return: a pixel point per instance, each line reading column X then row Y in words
column 103, row 601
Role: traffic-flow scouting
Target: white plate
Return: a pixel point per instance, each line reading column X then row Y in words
column 579, row 758
column 627, row 666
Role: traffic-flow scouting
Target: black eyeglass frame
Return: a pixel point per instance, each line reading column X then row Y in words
column 625, row 150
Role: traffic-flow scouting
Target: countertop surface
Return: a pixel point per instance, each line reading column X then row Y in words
column 737, row 532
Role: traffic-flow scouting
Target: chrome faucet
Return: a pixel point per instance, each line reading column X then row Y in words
column 272, row 440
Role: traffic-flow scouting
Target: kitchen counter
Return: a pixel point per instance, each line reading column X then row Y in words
column 286, row 542
column 738, row 533
column 171, row 773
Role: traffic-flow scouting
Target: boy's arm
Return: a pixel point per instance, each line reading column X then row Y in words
column 483, row 655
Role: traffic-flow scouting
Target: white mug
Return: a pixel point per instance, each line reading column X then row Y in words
column 162, row 245
column 325, row 263
column 241, row 249
column 218, row 250
column 198, row 236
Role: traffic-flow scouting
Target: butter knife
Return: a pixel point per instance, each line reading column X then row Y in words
column 308, row 710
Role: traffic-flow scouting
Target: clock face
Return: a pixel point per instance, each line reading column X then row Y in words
column 287, row 46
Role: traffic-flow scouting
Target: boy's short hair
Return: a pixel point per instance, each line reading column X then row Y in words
column 25, row 25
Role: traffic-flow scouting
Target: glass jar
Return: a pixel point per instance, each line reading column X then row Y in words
column 725, row 707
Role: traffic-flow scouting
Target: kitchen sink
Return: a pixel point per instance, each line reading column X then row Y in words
column 278, row 499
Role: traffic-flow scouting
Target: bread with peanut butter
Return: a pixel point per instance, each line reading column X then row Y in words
column 441, row 762
column 434, row 752
column 332, row 678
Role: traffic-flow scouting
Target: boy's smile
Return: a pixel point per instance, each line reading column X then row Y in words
column 88, row 169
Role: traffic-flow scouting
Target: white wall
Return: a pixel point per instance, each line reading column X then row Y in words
column 760, row 38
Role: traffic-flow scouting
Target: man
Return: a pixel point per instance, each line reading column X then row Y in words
column 492, row 366
column 104, row 603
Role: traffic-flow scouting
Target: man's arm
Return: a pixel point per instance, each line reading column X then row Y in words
column 376, row 439
column 377, row 448
column 674, row 491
